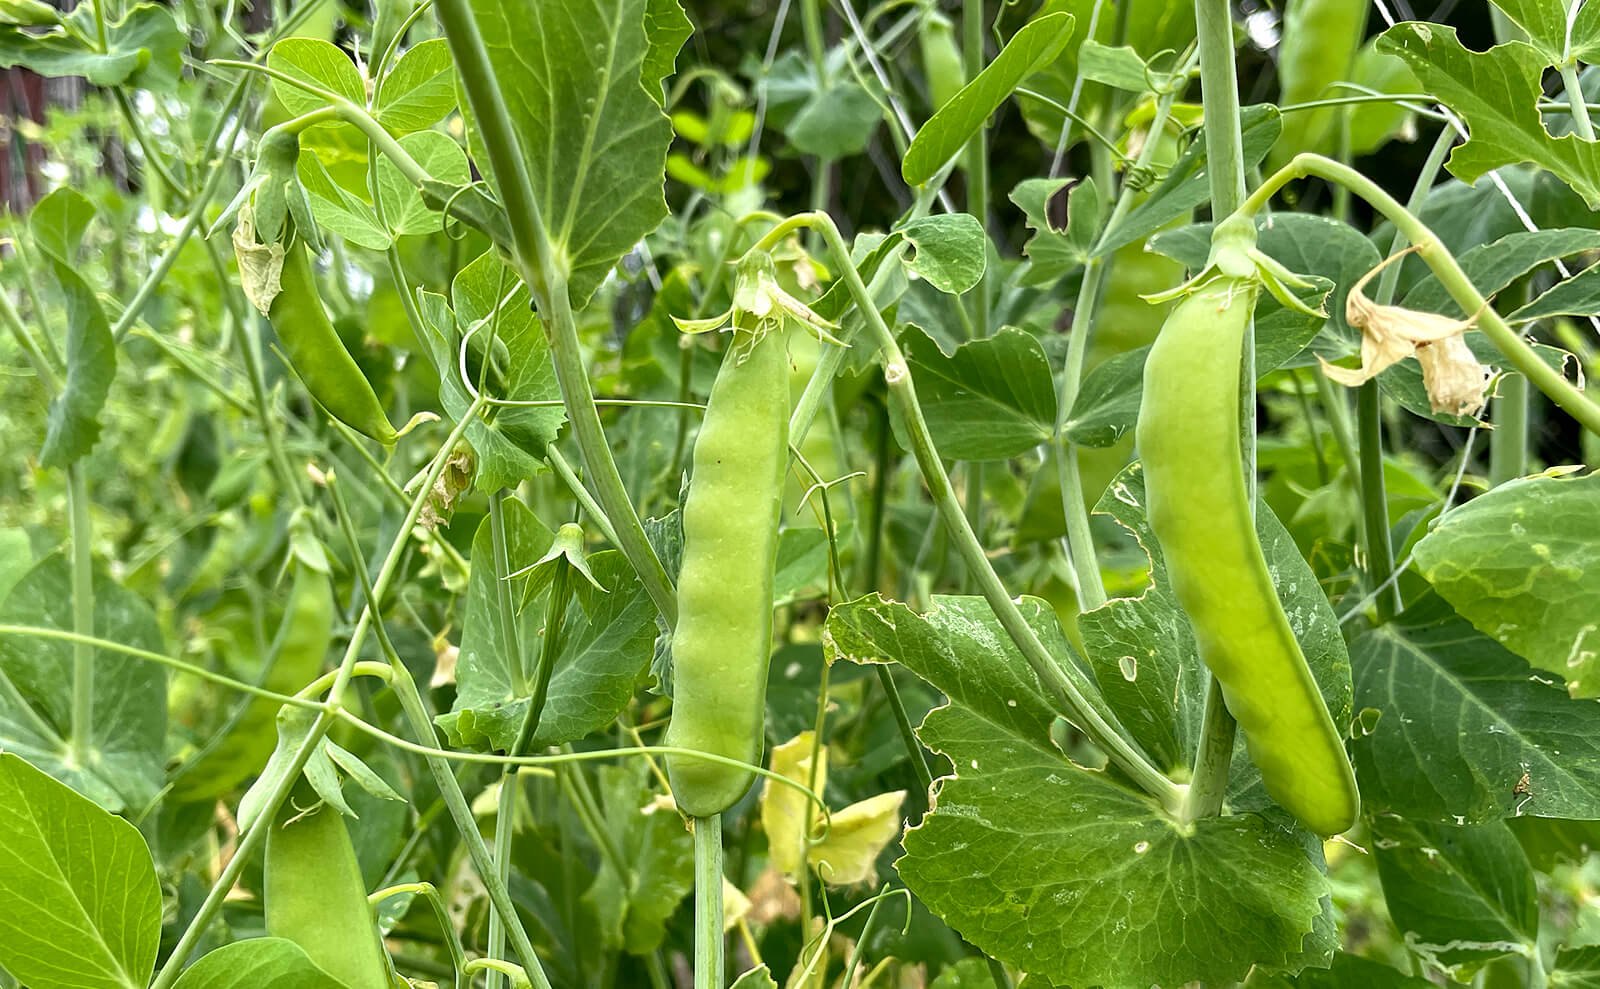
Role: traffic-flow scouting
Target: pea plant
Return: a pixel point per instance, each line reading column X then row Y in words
column 538, row 493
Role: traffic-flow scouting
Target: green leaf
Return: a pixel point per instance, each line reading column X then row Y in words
column 1354, row 972
column 1186, row 185
column 757, row 978
column 420, row 90
column 80, row 907
column 589, row 123
column 1518, row 563
column 1150, row 26
column 1459, row 895
column 337, row 209
column 145, row 49
column 1577, row 968
column 58, row 221
column 992, row 399
column 1062, row 872
column 404, row 208
column 1545, row 24
column 1107, row 405
column 320, row 63
column 16, row 559
column 74, row 422
column 960, row 648
column 1460, row 721
column 258, row 963
column 1120, row 68
column 658, row 852
column 950, row 251
column 128, row 733
column 1491, row 267
column 836, row 122
column 239, row 747
column 949, row 130
column 1054, row 252
column 489, row 296
column 1496, row 92
column 606, row 643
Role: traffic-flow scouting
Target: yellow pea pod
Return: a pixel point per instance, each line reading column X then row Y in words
column 723, row 639
column 1198, row 507
column 313, row 346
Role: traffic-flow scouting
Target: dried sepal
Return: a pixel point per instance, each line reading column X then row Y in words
column 1454, row 379
column 260, row 265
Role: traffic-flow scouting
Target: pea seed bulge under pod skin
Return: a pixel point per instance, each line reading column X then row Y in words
column 314, row 895
column 313, row 346
column 723, row 639
column 1197, row 504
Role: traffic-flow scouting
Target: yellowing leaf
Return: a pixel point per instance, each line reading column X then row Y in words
column 860, row 831
column 788, row 817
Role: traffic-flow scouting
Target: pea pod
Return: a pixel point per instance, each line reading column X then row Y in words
column 1320, row 41
column 319, row 356
column 315, row 896
column 942, row 64
column 1188, row 436
column 730, row 542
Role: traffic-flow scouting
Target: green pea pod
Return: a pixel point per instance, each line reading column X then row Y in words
column 319, row 356
column 315, row 896
column 730, row 543
column 942, row 65
column 1188, row 436
column 1320, row 41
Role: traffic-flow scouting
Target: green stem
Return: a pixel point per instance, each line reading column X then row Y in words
column 1508, row 443
column 252, row 838
column 1580, row 110
column 42, row 366
column 708, row 964
column 441, row 911
column 416, row 712
column 82, row 617
column 1100, row 727
column 151, row 158
column 1445, row 268
column 1210, row 783
column 570, row 478
column 548, row 282
column 977, row 155
column 919, row 759
column 1374, row 499
column 510, row 648
column 1080, row 540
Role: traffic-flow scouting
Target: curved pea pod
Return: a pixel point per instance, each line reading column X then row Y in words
column 942, row 65
column 313, row 346
column 1320, row 41
column 314, row 895
column 723, row 638
column 1188, row 436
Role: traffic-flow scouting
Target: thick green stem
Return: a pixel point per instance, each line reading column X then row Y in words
column 708, row 964
column 253, row 837
column 82, row 617
column 1210, row 783
column 1580, row 110
column 42, row 365
column 1444, row 266
column 1080, row 541
column 1097, row 725
column 547, row 281
column 977, row 163
column 1374, row 499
